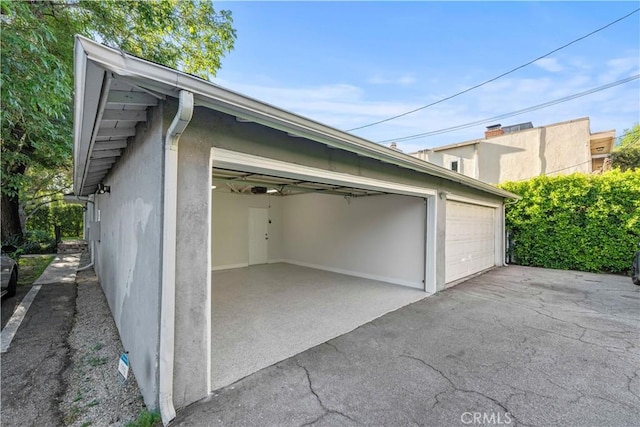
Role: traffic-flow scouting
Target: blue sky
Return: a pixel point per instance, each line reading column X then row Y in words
column 348, row 64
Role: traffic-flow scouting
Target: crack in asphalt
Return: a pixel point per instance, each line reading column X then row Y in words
column 511, row 289
column 456, row 388
column 629, row 381
column 63, row 372
column 326, row 410
column 549, row 315
column 584, row 396
column 333, row 346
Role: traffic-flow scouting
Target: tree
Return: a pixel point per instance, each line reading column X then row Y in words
column 37, row 73
column 627, row 154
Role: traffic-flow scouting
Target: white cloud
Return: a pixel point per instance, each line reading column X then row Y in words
column 338, row 105
column 618, row 68
column 404, row 80
column 346, row 106
column 549, row 64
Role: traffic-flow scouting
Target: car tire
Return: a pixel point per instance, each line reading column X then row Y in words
column 13, row 284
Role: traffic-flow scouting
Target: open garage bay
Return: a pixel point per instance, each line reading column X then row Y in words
column 266, row 313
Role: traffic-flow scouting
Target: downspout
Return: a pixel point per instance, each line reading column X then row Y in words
column 167, row 304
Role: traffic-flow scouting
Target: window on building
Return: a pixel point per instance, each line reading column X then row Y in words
column 454, row 166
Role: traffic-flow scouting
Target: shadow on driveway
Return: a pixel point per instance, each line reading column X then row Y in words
column 515, row 346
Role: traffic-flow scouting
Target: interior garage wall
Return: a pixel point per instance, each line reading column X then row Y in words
column 230, row 233
column 378, row 237
column 127, row 257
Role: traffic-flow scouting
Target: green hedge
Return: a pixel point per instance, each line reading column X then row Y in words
column 69, row 217
column 576, row 222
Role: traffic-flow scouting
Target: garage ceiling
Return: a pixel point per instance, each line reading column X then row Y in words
column 245, row 182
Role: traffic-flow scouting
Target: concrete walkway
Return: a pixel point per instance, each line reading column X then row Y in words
column 61, row 270
column 515, row 346
column 38, row 351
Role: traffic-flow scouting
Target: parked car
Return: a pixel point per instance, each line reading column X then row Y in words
column 635, row 268
column 9, row 276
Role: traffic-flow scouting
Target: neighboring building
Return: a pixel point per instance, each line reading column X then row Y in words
column 519, row 152
column 187, row 184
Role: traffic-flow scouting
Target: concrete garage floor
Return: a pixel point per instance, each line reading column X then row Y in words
column 266, row 313
column 547, row 347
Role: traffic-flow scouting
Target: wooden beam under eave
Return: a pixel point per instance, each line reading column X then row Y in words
column 116, row 132
column 125, row 115
column 110, row 145
column 131, row 98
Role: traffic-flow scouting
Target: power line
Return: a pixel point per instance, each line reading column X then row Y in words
column 514, row 113
column 495, row 78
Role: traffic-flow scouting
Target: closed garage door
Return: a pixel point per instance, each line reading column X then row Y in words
column 470, row 239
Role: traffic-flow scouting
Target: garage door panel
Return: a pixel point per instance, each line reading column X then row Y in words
column 470, row 239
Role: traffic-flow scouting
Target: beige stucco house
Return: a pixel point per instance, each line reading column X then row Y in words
column 519, row 152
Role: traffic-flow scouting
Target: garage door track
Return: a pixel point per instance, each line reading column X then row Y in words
column 515, row 346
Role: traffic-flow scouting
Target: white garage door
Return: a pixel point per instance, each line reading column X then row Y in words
column 470, row 239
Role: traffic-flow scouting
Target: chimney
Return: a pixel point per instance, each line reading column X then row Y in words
column 494, row 130
column 394, row 146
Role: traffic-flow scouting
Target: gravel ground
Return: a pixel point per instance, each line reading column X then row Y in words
column 93, row 393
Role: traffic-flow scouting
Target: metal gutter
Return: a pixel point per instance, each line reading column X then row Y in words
column 166, row 80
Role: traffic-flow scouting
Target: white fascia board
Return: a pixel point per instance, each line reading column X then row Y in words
column 471, row 201
column 169, row 82
column 78, row 113
column 89, row 79
column 226, row 159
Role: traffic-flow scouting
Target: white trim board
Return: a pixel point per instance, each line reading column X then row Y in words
column 227, row 159
column 407, row 283
column 229, row 266
column 462, row 199
column 242, row 265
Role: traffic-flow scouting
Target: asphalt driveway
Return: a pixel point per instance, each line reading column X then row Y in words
column 515, row 346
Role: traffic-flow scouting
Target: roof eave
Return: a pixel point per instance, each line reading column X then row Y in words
column 169, row 81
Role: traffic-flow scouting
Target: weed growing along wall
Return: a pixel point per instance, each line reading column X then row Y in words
column 576, row 222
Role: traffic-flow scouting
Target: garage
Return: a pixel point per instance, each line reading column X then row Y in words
column 299, row 257
column 229, row 234
column 470, row 244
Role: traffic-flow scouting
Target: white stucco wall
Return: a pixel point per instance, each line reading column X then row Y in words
column 465, row 156
column 127, row 257
column 511, row 157
column 568, row 148
column 230, row 234
column 562, row 148
column 381, row 237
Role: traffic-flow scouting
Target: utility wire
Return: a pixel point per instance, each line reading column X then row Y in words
column 495, row 78
column 514, row 113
